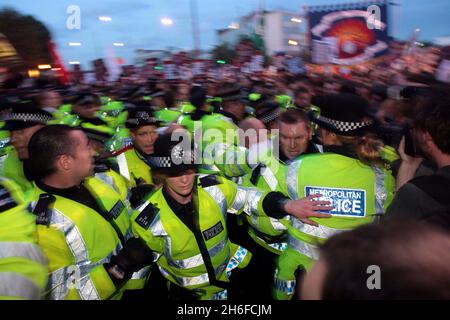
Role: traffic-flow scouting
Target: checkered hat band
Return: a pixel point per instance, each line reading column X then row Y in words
column 164, row 162
column 29, row 117
column 345, row 126
column 139, row 122
column 271, row 116
column 233, row 97
column 160, row 162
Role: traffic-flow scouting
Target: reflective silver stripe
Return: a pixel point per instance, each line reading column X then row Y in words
column 141, row 274
column 61, row 279
column 277, row 225
column 253, row 198
column 108, row 180
column 23, row 250
column 380, row 191
column 270, row 178
column 123, row 166
column 79, row 250
column 306, row 249
column 15, row 285
column 218, row 197
column 157, row 229
column 210, row 167
column 292, row 179
column 186, row 281
column 247, row 198
column 239, row 201
column 285, row 286
column 197, row 260
column 321, row 232
column 129, row 234
column 219, row 247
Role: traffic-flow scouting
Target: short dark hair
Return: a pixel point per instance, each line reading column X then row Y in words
column 436, row 121
column 47, row 144
column 293, row 116
column 413, row 257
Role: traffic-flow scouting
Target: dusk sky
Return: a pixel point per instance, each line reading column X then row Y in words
column 136, row 23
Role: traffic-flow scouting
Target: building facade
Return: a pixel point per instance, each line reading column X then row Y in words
column 282, row 31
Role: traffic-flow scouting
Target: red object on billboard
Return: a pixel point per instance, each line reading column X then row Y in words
column 63, row 74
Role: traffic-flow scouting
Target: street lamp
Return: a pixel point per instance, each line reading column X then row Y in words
column 74, row 44
column 166, row 22
column 105, row 18
column 296, row 20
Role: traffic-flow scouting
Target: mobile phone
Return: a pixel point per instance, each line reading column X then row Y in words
column 410, row 143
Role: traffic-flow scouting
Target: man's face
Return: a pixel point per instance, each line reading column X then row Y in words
column 294, row 139
column 236, row 108
column 144, row 138
column 82, row 165
column 51, row 99
column 182, row 184
column 86, row 111
column 21, row 138
column 303, row 99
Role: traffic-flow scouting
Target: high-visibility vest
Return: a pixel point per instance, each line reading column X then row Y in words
column 23, row 266
column 134, row 168
column 359, row 193
column 78, row 241
column 269, row 175
column 13, row 169
column 197, row 260
column 117, row 182
column 221, row 146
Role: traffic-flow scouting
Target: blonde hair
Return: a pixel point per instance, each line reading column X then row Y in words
column 368, row 148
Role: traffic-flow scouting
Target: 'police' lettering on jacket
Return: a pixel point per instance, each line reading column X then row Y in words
column 213, row 231
column 116, row 210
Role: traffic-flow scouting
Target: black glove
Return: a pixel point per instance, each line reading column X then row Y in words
column 140, row 193
column 134, row 256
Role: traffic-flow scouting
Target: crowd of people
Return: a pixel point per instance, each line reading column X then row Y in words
column 306, row 183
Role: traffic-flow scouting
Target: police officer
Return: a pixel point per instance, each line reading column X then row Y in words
column 83, row 225
column 132, row 162
column 23, row 266
column 22, row 120
column 106, row 168
column 350, row 174
column 184, row 222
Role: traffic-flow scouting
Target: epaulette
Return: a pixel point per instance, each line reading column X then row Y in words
column 209, row 181
column 42, row 210
column 147, row 215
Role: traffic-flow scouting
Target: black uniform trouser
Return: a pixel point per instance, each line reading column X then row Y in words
column 255, row 282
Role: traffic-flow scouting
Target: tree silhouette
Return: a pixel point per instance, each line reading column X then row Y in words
column 28, row 36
